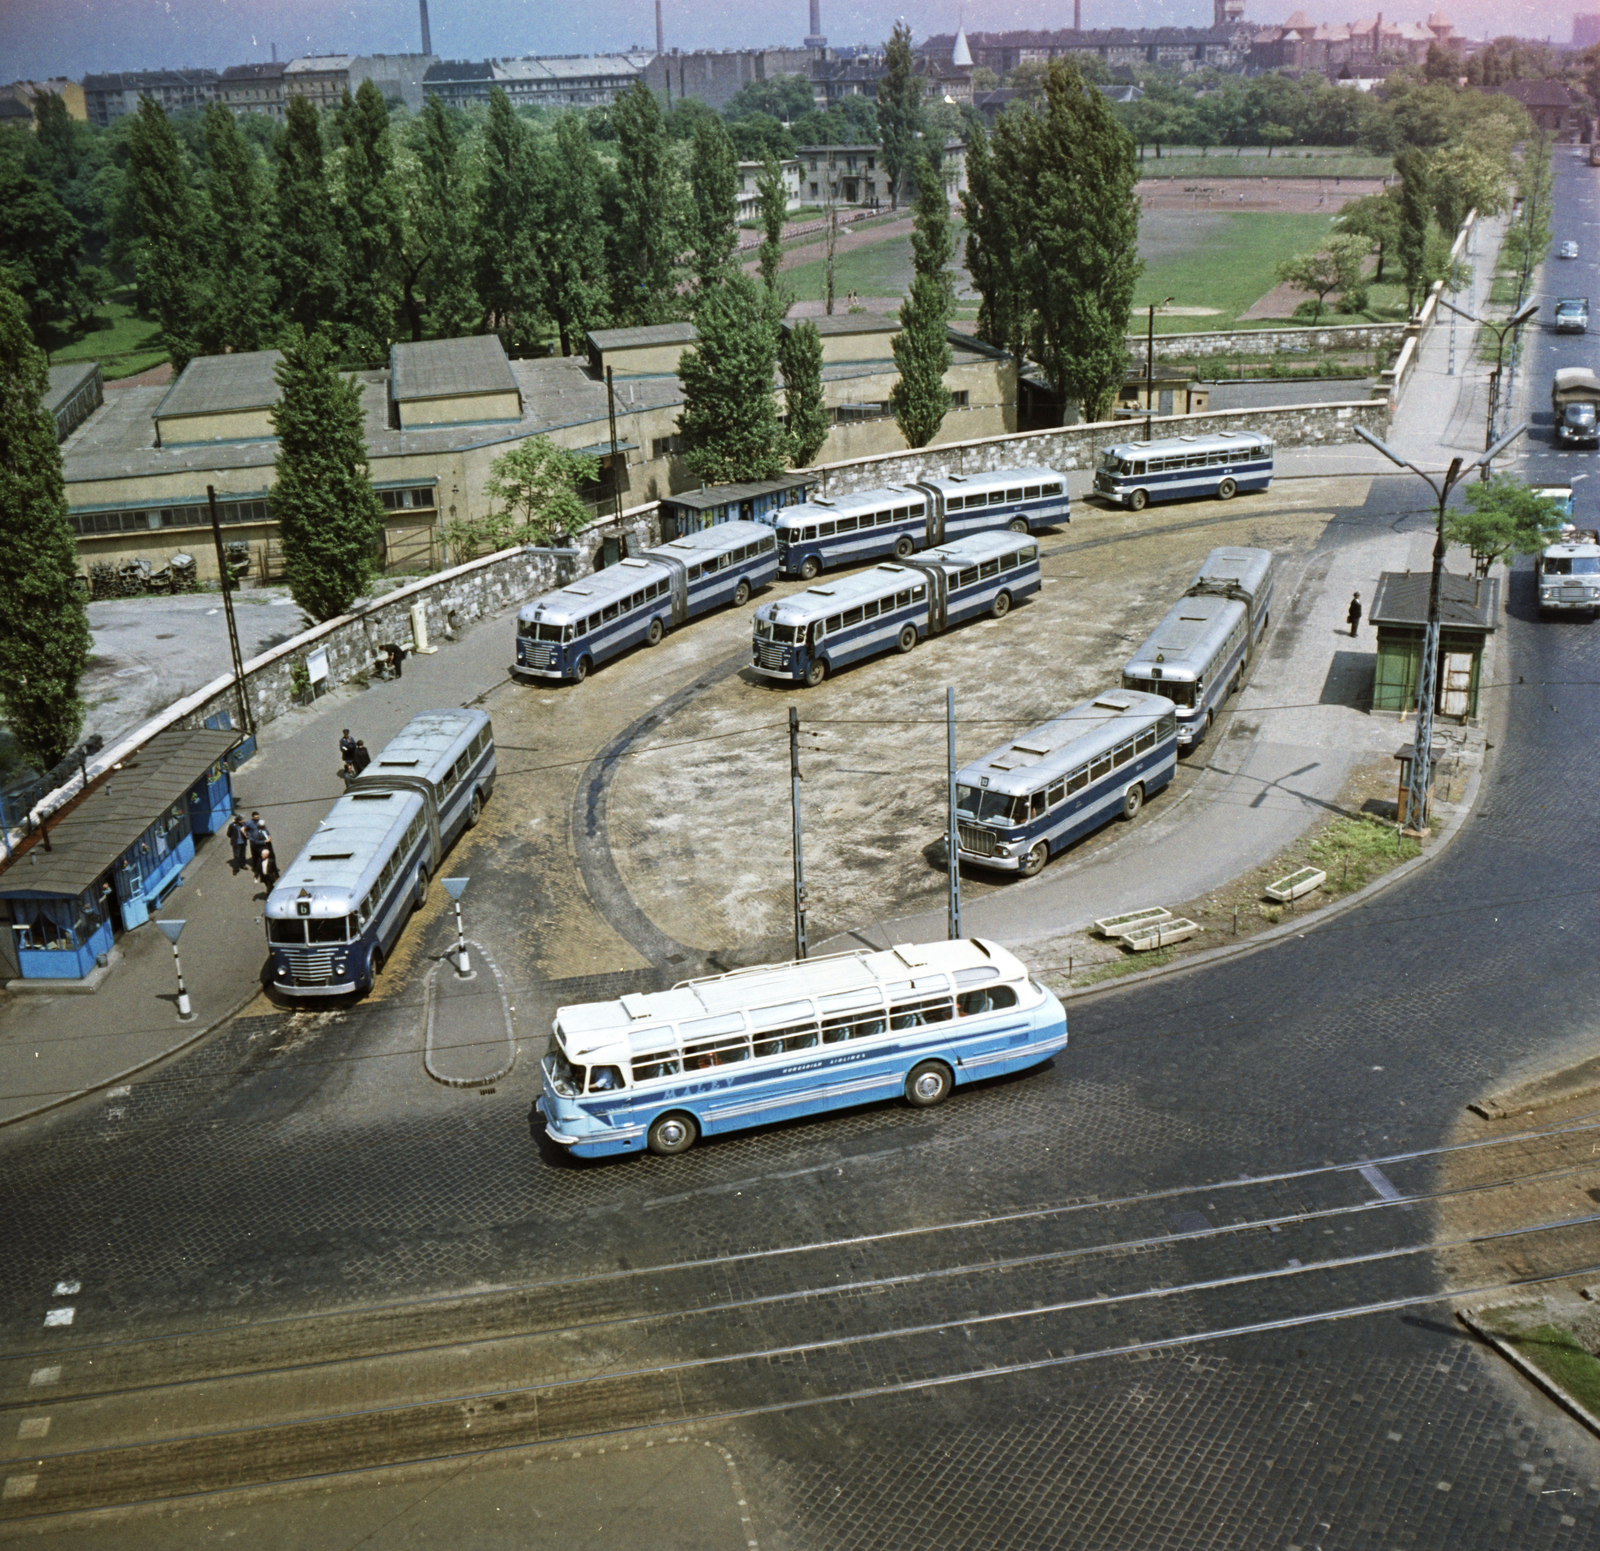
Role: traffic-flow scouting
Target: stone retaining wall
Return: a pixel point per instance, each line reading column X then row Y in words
column 1296, row 341
column 1078, row 446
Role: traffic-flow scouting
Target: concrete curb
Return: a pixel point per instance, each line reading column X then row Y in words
column 1468, row 1317
column 505, row 1009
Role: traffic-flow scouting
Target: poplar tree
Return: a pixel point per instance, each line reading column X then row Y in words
column 1416, row 212
column 437, row 251
column 1082, row 250
column 310, row 261
column 370, row 221
column 900, row 116
column 44, row 627
column 327, row 512
column 800, row 360
column 507, row 262
column 645, row 228
column 714, row 207
column 40, row 245
column 920, row 400
column 774, row 207
column 572, row 234
column 239, row 289
column 161, row 206
column 729, row 420
column 995, row 203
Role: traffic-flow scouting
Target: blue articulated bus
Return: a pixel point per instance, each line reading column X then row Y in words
column 832, row 624
column 569, row 631
column 1030, row 798
column 1198, row 654
column 662, row 1069
column 898, row 520
column 1176, row 468
column 339, row 906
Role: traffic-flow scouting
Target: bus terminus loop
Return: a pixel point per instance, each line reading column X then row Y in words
column 1136, row 473
column 759, row 1045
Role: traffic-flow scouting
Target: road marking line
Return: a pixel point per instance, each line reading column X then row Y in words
column 58, row 1317
column 44, row 1376
column 19, row 1486
column 1379, row 1181
column 34, row 1427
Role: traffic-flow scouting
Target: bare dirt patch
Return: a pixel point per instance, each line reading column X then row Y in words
column 1299, row 195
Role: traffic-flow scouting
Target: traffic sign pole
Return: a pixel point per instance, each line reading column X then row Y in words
column 455, row 888
column 171, row 930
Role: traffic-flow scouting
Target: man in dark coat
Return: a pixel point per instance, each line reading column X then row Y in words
column 239, row 842
column 1354, row 615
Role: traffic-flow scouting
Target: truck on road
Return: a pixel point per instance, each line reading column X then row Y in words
column 1574, row 401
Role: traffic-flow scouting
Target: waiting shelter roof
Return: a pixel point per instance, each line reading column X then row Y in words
column 1465, row 602
column 91, row 835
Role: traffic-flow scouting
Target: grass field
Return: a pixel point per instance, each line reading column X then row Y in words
column 1294, row 164
column 870, row 269
column 117, row 337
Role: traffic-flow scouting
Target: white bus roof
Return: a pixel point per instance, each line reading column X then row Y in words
column 1246, row 567
column 991, row 479
column 718, row 537
column 980, row 546
column 1059, row 746
column 579, row 599
column 612, row 1031
column 1187, row 639
column 343, row 859
column 1170, row 445
column 829, row 597
column 820, row 508
column 425, row 743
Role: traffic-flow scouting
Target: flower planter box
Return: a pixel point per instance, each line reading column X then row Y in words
column 1120, row 926
column 1296, row 884
column 1159, row 934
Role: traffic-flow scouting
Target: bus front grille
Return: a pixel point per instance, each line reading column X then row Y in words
column 541, row 654
column 979, row 841
column 310, row 966
column 773, row 656
column 1573, row 594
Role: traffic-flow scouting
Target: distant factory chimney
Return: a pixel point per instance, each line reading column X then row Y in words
column 661, row 46
column 427, row 41
column 816, row 39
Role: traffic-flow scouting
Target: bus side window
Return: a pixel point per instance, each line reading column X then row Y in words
column 1031, row 493
column 1138, row 467
column 824, row 530
column 637, row 601
column 989, row 568
column 1100, row 767
column 1168, row 726
column 852, row 617
column 1123, row 754
column 609, row 612
column 955, row 503
column 1036, row 805
column 1145, row 740
column 912, row 1015
column 901, row 513
column 665, row 1064
column 833, row 623
column 811, row 531
column 1014, row 495
column 694, row 573
column 967, row 577
column 605, row 1079
column 902, row 599
column 918, row 509
column 919, row 592
column 594, row 622
column 1056, row 489
column 871, row 609
column 768, row 545
column 1056, row 793
column 997, row 498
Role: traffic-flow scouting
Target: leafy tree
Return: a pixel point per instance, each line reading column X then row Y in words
column 53, row 154
column 534, row 491
column 40, row 245
column 328, row 514
column 1377, row 218
column 370, row 218
column 310, row 260
column 237, row 315
column 436, row 256
column 44, row 627
column 646, row 214
column 759, row 136
column 849, row 121
column 714, row 210
column 1416, row 214
column 899, row 109
column 1463, row 178
column 1274, row 135
column 1336, row 266
column 683, row 119
column 1082, row 256
column 800, row 360
column 508, row 277
column 1503, row 518
column 997, row 216
column 572, row 232
column 729, row 419
column 774, row 208
column 919, row 399
column 782, row 97
column 162, row 207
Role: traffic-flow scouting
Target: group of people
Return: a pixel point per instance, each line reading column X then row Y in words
column 354, row 756
column 252, row 847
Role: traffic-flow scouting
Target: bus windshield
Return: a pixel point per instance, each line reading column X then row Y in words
column 1112, row 464
column 567, row 1079
column 1573, row 565
column 990, row 807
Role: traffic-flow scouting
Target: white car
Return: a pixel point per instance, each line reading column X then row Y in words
column 1569, row 250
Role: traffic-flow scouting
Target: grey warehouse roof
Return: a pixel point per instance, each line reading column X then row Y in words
column 449, row 368
column 216, row 384
column 1465, row 602
column 648, row 334
column 65, row 381
column 87, row 839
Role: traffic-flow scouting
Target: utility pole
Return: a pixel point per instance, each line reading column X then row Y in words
column 611, row 409
column 1422, row 749
column 799, row 864
column 1150, row 367
column 1509, row 326
column 953, row 839
column 247, row 719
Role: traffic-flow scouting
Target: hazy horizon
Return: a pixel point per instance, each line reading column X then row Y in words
column 41, row 38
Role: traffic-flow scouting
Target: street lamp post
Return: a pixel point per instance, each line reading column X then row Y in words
column 1422, row 751
column 1501, row 330
column 1150, row 365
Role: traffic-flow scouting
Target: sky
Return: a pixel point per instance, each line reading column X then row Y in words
column 42, row 38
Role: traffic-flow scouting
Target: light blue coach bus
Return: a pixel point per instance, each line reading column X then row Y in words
column 898, row 520
column 1136, row 473
column 1032, row 797
column 832, row 624
column 1198, row 654
column 759, row 1045
column 565, row 633
column 339, row 906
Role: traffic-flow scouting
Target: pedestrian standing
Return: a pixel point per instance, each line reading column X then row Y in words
column 360, row 758
column 1354, row 615
column 269, row 866
column 347, row 746
column 236, row 838
column 258, row 839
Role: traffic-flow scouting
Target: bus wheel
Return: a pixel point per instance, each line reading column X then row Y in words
column 928, row 1083
column 1132, row 800
column 1227, row 490
column 476, row 809
column 580, row 670
column 1137, row 500
column 671, row 1133
column 903, row 547
column 816, row 673
column 421, row 893
column 1033, row 863
column 741, row 594
column 908, row 638
column 374, row 969
column 809, row 568
column 1018, row 525
column 1001, row 605
column 654, row 634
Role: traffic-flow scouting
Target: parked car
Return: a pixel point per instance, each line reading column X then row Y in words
column 1569, row 250
column 1572, row 315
